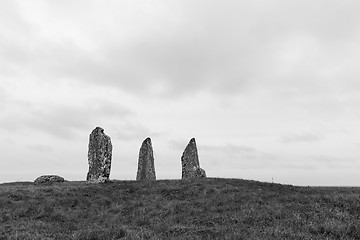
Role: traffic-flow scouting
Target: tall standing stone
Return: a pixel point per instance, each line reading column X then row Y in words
column 146, row 168
column 190, row 162
column 99, row 156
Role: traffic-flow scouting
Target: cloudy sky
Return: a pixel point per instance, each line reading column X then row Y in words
column 269, row 89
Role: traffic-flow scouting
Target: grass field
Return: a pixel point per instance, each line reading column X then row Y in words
column 174, row 209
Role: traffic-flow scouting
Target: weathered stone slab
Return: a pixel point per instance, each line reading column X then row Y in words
column 146, row 168
column 99, row 156
column 48, row 179
column 190, row 162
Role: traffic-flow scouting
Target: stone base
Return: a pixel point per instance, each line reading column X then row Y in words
column 196, row 172
column 97, row 180
column 201, row 173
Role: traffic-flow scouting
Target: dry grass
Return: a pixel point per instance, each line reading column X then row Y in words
column 175, row 209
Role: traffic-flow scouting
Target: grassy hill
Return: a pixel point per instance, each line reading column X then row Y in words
column 174, row 209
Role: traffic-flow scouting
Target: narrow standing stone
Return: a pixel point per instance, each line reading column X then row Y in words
column 146, row 168
column 190, row 162
column 99, row 156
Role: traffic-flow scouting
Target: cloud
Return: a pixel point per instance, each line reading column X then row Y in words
column 178, row 144
column 246, row 157
column 133, row 131
column 331, row 162
column 62, row 120
column 304, row 137
column 231, row 152
column 3, row 97
column 229, row 157
column 231, row 149
column 316, row 162
column 221, row 70
column 171, row 49
column 40, row 148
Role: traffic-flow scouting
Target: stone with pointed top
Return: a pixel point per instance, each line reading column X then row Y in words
column 99, row 156
column 190, row 162
column 146, row 168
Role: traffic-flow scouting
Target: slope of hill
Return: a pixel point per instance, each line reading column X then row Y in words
column 174, row 209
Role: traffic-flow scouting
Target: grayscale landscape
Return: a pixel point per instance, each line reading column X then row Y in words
column 190, row 119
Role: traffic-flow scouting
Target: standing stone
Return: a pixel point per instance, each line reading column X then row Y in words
column 99, row 156
column 190, row 162
column 146, row 168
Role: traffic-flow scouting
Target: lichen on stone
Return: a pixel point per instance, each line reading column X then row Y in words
column 146, row 168
column 190, row 162
column 99, row 156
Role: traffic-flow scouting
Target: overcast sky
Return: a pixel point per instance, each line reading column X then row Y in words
column 269, row 89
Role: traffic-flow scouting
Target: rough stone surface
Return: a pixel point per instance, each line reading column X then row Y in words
column 99, row 156
column 200, row 172
column 190, row 162
column 146, row 168
column 48, row 179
